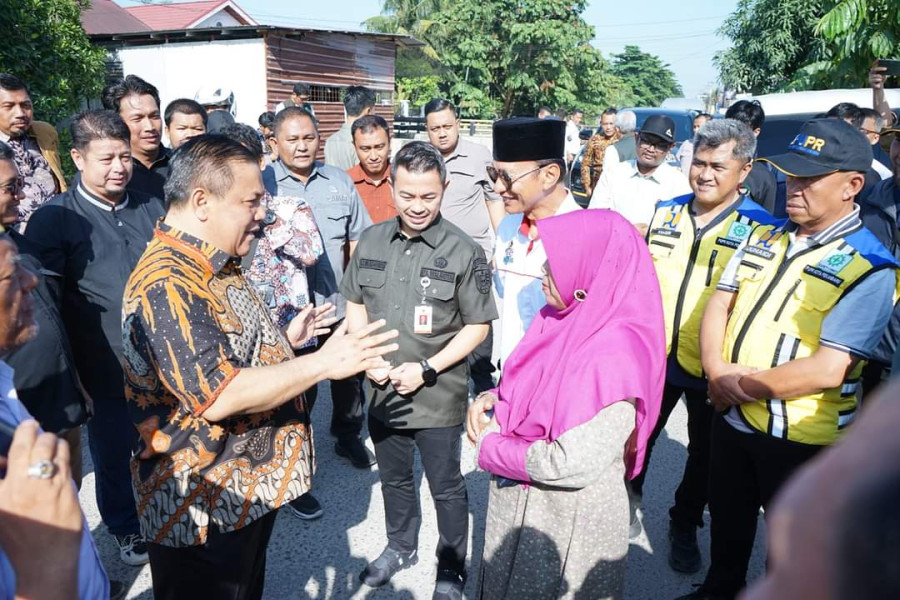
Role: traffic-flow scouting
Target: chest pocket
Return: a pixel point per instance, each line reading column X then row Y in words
column 660, row 248
column 337, row 219
column 371, row 282
column 442, row 297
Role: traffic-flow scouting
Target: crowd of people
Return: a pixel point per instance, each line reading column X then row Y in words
column 184, row 302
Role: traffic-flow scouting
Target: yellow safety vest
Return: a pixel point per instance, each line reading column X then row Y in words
column 778, row 313
column 689, row 263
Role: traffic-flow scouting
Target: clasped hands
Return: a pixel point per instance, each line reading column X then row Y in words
column 406, row 378
column 725, row 388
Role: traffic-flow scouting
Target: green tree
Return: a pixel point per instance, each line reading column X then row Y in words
column 854, row 34
column 45, row 45
column 772, row 40
column 418, row 90
column 507, row 57
column 784, row 45
column 650, row 79
column 411, row 17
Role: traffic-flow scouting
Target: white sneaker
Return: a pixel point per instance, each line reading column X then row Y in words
column 132, row 549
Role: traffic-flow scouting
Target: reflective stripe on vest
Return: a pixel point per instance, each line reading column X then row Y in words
column 777, row 317
column 689, row 268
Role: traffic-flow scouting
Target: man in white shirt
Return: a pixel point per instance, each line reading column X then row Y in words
column 632, row 188
column 573, row 141
column 528, row 172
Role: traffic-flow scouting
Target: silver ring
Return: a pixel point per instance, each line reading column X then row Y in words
column 42, row 469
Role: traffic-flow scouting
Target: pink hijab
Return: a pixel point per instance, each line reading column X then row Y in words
column 573, row 363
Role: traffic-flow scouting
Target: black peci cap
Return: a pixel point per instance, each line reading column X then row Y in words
column 825, row 146
column 528, row 138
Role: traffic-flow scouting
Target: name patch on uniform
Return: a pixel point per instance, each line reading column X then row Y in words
column 760, row 252
column 728, row 242
column 482, row 272
column 439, row 275
column 666, row 232
column 376, row 265
column 823, row 275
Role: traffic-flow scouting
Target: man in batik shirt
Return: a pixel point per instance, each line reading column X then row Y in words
column 212, row 384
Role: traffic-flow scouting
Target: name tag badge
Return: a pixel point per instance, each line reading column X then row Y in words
column 422, row 323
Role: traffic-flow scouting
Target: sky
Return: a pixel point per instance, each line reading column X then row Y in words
column 681, row 32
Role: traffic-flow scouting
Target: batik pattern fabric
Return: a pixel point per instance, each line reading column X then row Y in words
column 191, row 322
column 592, row 161
column 290, row 243
column 34, row 169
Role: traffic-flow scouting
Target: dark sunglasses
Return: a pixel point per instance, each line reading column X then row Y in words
column 508, row 181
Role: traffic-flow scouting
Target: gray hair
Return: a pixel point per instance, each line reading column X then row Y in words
column 626, row 121
column 716, row 132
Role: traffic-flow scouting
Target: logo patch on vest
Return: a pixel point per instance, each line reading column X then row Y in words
column 738, row 231
column 834, row 262
column 672, row 219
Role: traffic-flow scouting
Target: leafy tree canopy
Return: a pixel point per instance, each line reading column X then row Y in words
column 651, row 81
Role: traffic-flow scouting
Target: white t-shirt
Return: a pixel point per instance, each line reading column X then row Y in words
column 517, row 277
column 634, row 196
column 573, row 142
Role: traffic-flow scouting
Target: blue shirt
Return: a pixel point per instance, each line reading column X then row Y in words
column 92, row 580
column 340, row 215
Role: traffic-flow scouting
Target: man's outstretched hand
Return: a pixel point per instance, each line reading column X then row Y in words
column 346, row 354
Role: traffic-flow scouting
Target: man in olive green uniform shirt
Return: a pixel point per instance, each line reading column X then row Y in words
column 430, row 281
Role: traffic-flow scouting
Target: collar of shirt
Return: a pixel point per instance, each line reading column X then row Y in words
column 215, row 257
column 842, row 227
column 656, row 176
column 458, row 152
column 282, row 172
column 431, row 235
column 359, row 175
column 161, row 159
column 83, row 193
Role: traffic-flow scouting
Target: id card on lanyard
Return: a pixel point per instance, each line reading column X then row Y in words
column 422, row 315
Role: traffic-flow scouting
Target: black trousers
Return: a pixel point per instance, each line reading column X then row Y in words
column 229, row 565
column 346, row 397
column 440, row 449
column 481, row 368
column 692, row 493
column 746, row 471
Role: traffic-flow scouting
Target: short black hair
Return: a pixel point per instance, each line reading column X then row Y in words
column 439, row 104
column 847, row 111
column 547, row 109
column 301, row 89
column 357, row 99
column 204, row 161
column 749, row 112
column 131, row 85
column 561, row 114
column 245, row 136
column 609, row 111
column 266, row 119
column 576, row 111
column 292, row 112
column 367, row 124
column 99, row 124
column 11, row 83
column 419, row 157
column 866, row 555
column 185, row 106
column 6, row 153
column 704, row 115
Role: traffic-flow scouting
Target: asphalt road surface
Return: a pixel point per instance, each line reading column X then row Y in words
column 322, row 558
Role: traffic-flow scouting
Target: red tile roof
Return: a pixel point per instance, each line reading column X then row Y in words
column 105, row 16
column 163, row 17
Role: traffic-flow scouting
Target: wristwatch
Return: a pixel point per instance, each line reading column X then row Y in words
column 429, row 375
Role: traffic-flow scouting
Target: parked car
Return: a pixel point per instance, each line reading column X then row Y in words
column 684, row 130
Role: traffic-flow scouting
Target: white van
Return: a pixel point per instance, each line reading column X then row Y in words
column 820, row 101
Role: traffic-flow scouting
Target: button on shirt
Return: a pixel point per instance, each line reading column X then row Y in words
column 386, row 274
column 340, row 216
column 92, row 246
column 92, row 580
column 467, row 192
column 855, row 323
column 518, row 261
column 634, row 196
column 377, row 197
column 191, row 322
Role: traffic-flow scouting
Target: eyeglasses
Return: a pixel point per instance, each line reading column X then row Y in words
column 508, row 181
column 13, row 188
column 662, row 146
column 869, row 131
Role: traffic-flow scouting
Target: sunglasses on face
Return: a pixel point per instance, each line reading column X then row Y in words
column 661, row 146
column 508, row 180
column 13, row 188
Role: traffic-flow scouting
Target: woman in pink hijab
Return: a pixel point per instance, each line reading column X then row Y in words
column 577, row 402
